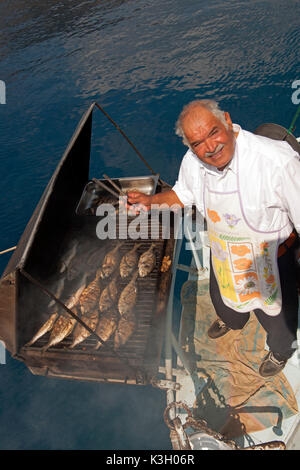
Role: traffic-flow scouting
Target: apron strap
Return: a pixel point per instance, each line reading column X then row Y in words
column 283, row 247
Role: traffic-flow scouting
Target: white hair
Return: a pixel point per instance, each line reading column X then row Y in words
column 210, row 105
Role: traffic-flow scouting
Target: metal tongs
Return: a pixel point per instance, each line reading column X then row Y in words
column 114, row 185
column 117, row 195
column 111, row 191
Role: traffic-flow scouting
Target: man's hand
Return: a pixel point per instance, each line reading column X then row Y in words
column 139, row 200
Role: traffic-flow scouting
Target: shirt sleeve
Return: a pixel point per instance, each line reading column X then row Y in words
column 184, row 182
column 290, row 181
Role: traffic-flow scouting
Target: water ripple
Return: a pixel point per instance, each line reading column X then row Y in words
column 142, row 60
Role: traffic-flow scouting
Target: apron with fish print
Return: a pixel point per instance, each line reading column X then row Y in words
column 244, row 259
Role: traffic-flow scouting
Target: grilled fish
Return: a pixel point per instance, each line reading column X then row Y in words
column 84, row 261
column 88, row 301
column 110, row 262
column 61, row 329
column 48, row 325
column 74, row 269
column 80, row 332
column 128, row 262
column 64, row 323
column 90, row 295
column 92, row 258
column 109, row 295
column 128, row 296
column 147, row 261
column 126, row 326
column 52, row 306
column 68, row 256
column 107, row 326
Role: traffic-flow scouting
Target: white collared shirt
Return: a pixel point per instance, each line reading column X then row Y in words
column 268, row 172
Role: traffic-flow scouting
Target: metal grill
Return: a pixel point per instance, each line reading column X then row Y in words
column 135, row 349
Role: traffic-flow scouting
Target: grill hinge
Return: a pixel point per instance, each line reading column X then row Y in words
column 166, row 384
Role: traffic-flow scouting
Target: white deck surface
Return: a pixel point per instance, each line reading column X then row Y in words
column 289, row 426
column 288, row 430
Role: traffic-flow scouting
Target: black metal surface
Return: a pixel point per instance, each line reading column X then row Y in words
column 146, row 302
column 134, row 355
column 53, row 227
column 277, row 132
column 47, row 228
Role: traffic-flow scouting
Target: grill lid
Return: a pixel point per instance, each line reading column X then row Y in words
column 47, row 223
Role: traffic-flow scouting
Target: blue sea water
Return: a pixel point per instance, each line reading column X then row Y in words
column 142, row 60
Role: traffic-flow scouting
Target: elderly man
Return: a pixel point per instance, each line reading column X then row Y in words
column 248, row 189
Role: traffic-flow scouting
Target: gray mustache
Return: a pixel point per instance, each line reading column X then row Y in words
column 211, row 154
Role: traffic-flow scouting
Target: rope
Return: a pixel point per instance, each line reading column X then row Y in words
column 9, row 249
column 127, row 138
column 131, row 143
column 292, row 126
column 137, row 372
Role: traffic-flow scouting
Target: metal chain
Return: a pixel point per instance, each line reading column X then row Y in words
column 234, row 415
column 197, row 424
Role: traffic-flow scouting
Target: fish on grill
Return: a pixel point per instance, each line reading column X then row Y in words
column 147, row 261
column 89, row 309
column 126, row 326
column 109, row 295
column 93, row 258
column 80, row 332
column 107, row 326
column 110, row 262
column 85, row 261
column 48, row 325
column 75, row 267
column 52, row 305
column 68, row 256
column 128, row 262
column 128, row 296
column 64, row 324
column 62, row 328
column 90, row 295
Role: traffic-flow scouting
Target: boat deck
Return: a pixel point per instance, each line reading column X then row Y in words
column 266, row 411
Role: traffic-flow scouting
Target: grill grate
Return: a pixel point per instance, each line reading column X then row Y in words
column 147, row 297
